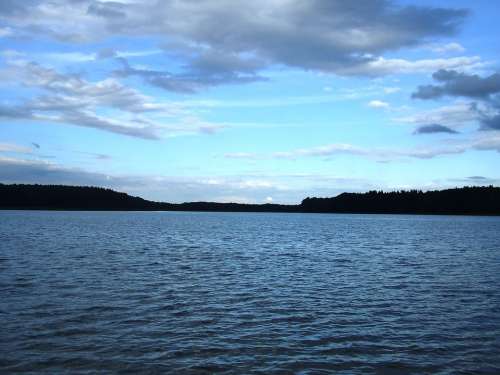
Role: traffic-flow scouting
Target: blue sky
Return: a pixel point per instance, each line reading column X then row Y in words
column 264, row 101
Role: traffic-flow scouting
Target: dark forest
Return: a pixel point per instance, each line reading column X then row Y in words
column 477, row 200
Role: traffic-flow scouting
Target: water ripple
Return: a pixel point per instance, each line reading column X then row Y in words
column 203, row 293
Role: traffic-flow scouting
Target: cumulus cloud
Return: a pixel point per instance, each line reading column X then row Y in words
column 223, row 43
column 434, row 128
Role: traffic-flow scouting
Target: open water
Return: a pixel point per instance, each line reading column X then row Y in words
column 189, row 293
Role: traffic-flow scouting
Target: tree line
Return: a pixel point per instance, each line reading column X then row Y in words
column 481, row 200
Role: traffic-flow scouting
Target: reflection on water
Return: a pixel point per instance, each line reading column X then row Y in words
column 270, row 293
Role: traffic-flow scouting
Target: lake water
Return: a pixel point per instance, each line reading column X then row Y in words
column 159, row 292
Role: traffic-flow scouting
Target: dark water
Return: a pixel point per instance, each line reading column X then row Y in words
column 156, row 292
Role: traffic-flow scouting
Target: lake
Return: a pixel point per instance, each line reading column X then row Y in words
column 159, row 292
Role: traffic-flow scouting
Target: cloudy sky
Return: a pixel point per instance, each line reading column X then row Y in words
column 250, row 101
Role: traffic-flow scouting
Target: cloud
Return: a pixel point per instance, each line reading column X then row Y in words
column 490, row 123
column 484, row 89
column 72, row 57
column 204, row 71
column 79, row 118
column 326, row 150
column 240, row 155
column 341, row 94
column 75, row 92
column 490, row 142
column 381, row 66
column 378, row 104
column 391, row 90
column 209, row 69
column 164, row 188
column 434, row 128
column 106, row 104
column 106, row 53
column 90, row 120
column 10, row 147
column 477, row 180
column 5, row 31
column 454, row 83
column 251, row 188
column 453, row 116
column 446, row 48
column 390, row 154
column 13, row 170
column 223, row 43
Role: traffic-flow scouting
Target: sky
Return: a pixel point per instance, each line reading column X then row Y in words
column 250, row 101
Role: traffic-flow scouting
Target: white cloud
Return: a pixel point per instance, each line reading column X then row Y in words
column 106, row 104
column 378, row 104
column 391, row 90
column 325, row 150
column 83, row 57
column 446, row 48
column 485, row 141
column 454, row 116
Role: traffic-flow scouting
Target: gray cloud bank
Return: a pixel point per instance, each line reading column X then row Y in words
column 231, row 42
column 456, row 84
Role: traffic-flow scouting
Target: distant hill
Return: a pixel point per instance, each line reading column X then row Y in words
column 62, row 197
column 476, row 200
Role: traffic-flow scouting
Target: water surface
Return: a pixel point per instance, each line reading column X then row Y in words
column 159, row 292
